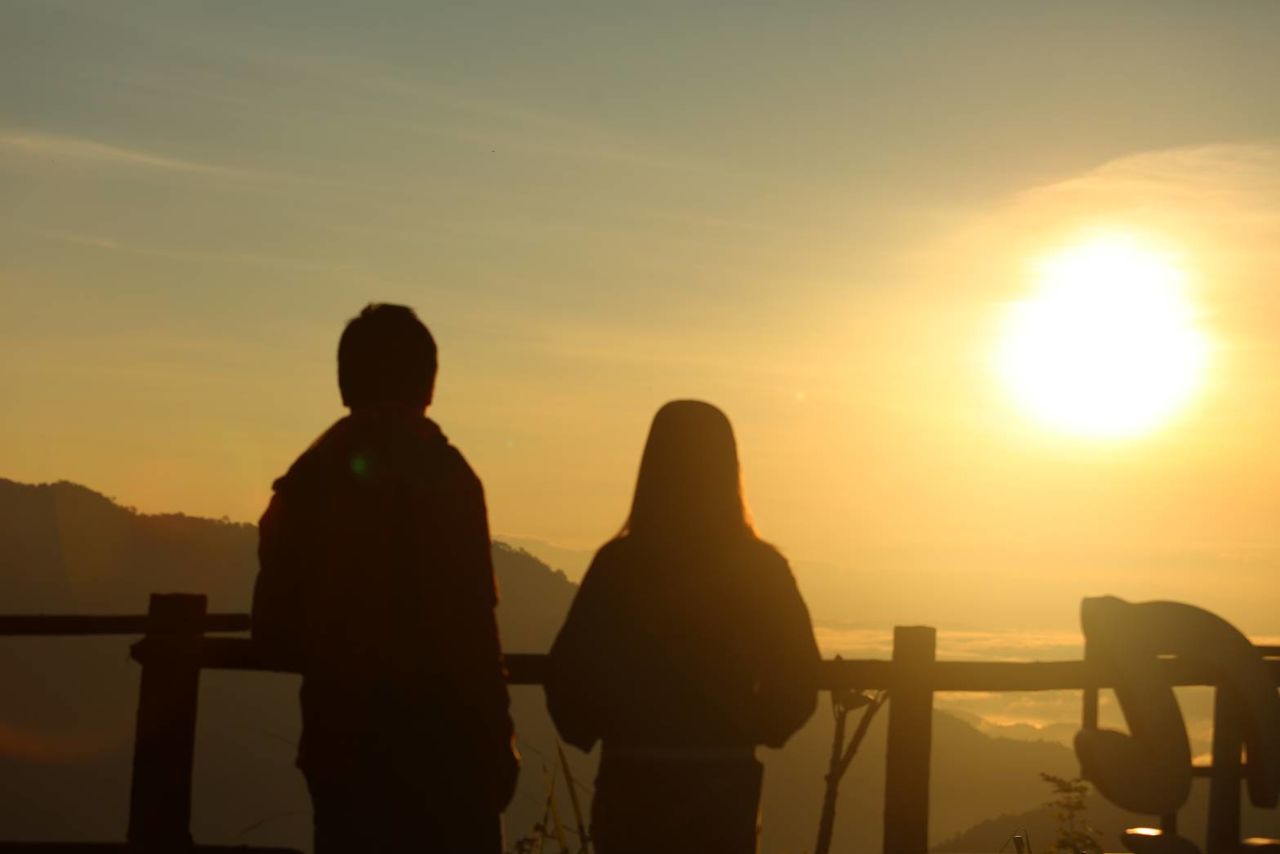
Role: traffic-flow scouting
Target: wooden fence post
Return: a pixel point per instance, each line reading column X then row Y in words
column 1223, row 832
column 1089, row 713
column 910, row 741
column 164, row 741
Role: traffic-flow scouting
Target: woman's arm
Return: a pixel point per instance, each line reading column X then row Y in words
column 787, row 691
column 578, row 664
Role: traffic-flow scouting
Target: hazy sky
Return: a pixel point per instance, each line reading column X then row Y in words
column 812, row 215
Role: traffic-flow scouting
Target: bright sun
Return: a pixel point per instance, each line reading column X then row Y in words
column 1107, row 345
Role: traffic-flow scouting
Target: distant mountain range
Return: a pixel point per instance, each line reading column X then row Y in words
column 67, row 704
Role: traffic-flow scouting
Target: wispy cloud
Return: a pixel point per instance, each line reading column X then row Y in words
column 73, row 149
column 91, row 241
column 111, row 244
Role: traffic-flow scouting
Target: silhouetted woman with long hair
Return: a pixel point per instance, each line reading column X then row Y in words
column 686, row 646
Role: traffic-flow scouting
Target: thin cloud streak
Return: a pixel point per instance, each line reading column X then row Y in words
column 80, row 150
column 88, row 152
column 108, row 244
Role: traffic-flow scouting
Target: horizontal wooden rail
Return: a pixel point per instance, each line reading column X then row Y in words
column 243, row 654
column 837, row 674
column 108, row 624
column 127, row 848
column 528, row 668
column 1058, row 675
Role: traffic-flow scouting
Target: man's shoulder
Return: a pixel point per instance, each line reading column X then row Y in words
column 370, row 452
column 318, row 460
column 455, row 463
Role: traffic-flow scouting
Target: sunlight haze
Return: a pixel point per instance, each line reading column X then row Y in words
column 1106, row 346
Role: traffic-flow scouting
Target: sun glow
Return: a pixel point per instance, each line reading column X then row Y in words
column 1107, row 346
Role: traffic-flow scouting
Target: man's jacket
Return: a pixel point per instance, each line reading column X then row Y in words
column 377, row 582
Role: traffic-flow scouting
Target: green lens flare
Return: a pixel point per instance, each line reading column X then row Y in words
column 359, row 465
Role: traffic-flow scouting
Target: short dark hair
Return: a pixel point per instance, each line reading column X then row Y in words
column 386, row 355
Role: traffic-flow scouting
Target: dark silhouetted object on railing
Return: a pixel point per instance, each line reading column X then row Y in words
column 687, row 645
column 1148, row 769
column 376, row 578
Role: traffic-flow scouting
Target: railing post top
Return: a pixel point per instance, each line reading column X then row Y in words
column 914, row 641
column 176, row 613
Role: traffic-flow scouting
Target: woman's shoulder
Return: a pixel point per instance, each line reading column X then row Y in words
column 766, row 555
column 625, row 548
column 610, row 558
column 766, row 564
column 622, row 549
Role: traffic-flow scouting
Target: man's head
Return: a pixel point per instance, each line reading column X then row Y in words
column 386, row 357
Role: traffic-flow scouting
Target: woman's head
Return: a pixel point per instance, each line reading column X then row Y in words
column 689, row 487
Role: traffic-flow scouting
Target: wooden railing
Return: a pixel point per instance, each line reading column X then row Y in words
column 176, row 646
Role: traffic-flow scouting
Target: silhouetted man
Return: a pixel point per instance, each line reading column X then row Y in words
column 377, row 580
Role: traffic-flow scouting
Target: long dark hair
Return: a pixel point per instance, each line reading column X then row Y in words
column 689, row 490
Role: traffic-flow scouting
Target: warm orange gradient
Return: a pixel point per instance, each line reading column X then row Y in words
column 816, row 221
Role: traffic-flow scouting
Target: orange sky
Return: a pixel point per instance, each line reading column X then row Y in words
column 815, row 221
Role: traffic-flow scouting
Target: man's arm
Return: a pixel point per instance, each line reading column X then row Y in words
column 480, row 648
column 277, row 596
